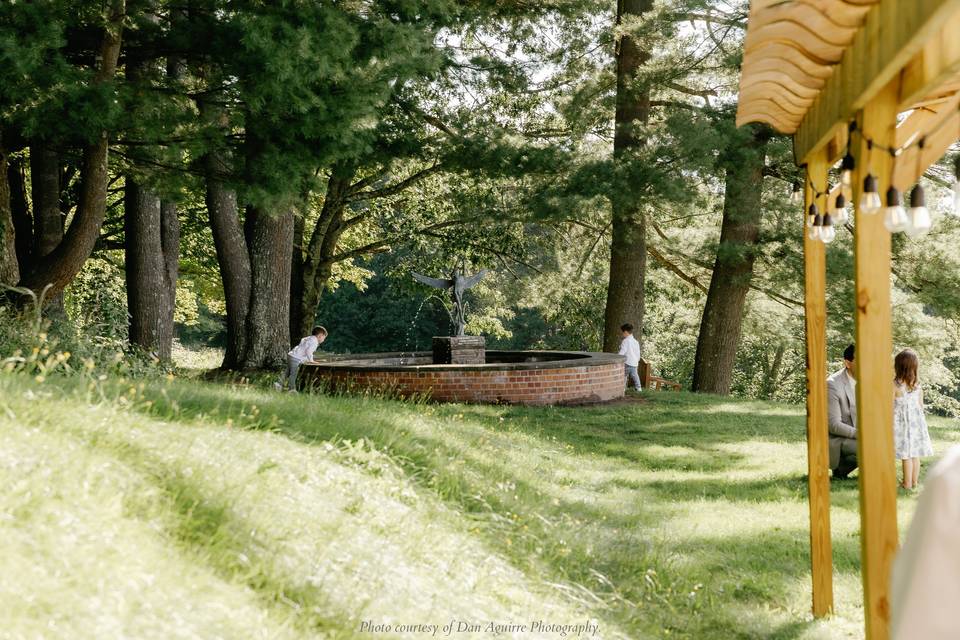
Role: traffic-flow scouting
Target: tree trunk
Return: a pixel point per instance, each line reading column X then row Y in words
column 145, row 271
column 45, row 179
column 317, row 261
column 322, row 272
column 232, row 256
column 20, row 212
column 59, row 267
column 9, row 267
column 628, row 254
column 772, row 380
column 170, row 246
column 297, row 316
column 170, row 232
column 722, row 321
column 268, row 322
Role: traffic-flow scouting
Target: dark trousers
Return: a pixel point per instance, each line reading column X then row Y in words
column 848, row 459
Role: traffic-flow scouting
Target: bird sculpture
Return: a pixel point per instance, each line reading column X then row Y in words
column 457, row 284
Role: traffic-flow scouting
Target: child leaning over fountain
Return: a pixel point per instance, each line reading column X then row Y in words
column 630, row 349
column 301, row 353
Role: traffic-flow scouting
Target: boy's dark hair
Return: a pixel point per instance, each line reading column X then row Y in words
column 848, row 353
column 626, row 327
column 318, row 330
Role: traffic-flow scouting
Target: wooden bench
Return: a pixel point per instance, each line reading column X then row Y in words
column 650, row 381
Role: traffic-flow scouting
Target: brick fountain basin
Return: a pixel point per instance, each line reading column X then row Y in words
column 507, row 377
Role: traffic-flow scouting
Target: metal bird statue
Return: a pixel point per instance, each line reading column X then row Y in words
column 457, row 284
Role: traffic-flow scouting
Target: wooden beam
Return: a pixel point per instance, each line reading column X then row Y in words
column 818, row 454
column 938, row 135
column 878, row 498
column 924, row 119
column 893, row 33
column 937, row 64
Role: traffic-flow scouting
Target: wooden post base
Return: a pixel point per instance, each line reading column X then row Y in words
column 459, row 350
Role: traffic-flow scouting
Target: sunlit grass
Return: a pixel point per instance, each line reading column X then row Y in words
column 681, row 516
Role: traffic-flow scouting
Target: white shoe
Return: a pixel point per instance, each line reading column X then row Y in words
column 278, row 386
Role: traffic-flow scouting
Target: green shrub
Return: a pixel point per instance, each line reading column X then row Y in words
column 42, row 346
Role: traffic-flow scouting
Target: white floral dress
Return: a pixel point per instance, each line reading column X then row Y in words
column 910, row 436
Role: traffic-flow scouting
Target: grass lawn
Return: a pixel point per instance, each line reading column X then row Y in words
column 180, row 508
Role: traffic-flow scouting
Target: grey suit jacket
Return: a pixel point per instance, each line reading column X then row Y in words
column 841, row 413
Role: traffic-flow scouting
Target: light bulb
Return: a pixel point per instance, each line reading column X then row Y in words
column 918, row 222
column 894, row 216
column 895, row 219
column 839, row 212
column 870, row 200
column 846, row 171
column 796, row 195
column 816, row 223
column 827, row 232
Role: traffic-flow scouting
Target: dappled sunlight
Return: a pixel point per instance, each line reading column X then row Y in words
column 643, row 517
column 322, row 536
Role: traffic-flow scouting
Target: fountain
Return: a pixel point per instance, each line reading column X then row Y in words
column 460, row 368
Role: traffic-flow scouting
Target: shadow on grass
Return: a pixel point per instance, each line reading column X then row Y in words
column 212, row 534
column 553, row 538
column 775, row 489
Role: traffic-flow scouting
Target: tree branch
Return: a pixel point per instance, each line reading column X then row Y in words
column 370, row 194
column 662, row 259
column 702, row 93
column 382, row 245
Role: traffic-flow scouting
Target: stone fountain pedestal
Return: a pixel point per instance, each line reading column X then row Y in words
column 459, row 350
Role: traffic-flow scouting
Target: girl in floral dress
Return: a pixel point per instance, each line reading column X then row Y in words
column 910, row 436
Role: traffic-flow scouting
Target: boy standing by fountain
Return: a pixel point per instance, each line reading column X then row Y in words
column 301, row 353
column 630, row 349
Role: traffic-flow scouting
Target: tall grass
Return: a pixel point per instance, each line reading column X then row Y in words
column 179, row 508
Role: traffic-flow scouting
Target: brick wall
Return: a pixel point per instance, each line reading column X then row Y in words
column 543, row 386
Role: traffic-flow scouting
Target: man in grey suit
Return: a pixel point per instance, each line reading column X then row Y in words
column 842, row 416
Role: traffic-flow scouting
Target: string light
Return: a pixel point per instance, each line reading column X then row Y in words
column 848, row 164
column 796, row 195
column 956, row 185
column 919, row 221
column 839, row 212
column 895, row 216
column 914, row 223
column 814, row 222
column 827, row 232
column 870, row 199
column 846, row 171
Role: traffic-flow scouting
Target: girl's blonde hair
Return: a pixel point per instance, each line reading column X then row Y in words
column 906, row 365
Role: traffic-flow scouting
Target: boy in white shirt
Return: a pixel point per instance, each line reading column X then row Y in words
column 630, row 349
column 301, row 353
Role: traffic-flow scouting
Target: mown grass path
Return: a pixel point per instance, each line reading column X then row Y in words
column 191, row 509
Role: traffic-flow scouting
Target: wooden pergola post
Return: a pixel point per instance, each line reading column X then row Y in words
column 818, row 455
column 809, row 69
column 878, row 493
